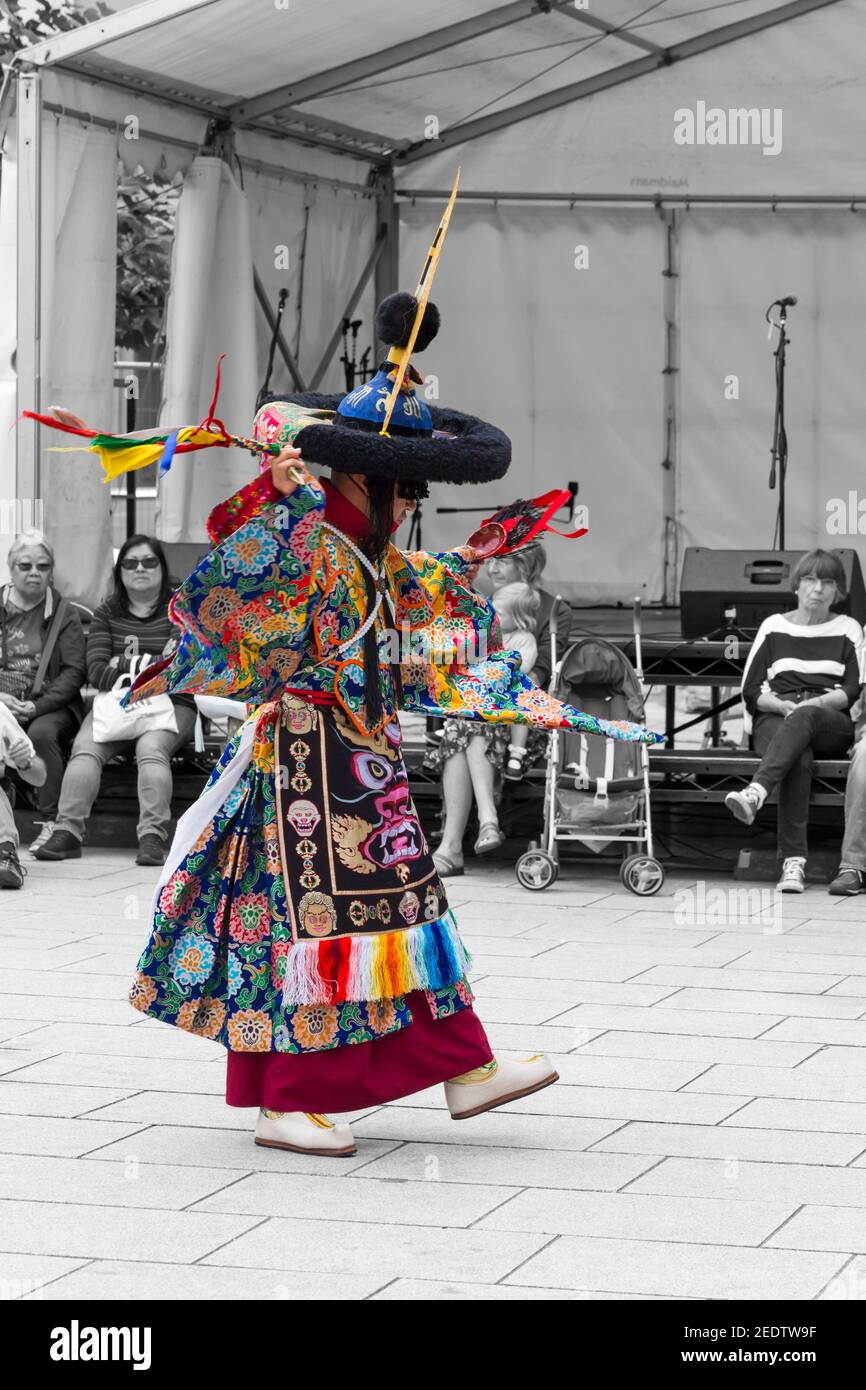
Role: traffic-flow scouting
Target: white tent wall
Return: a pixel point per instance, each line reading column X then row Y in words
column 732, row 263
column 79, row 235
column 77, row 328
column 147, row 135
column 568, row 362
column 323, row 269
column 211, row 310
column 12, row 514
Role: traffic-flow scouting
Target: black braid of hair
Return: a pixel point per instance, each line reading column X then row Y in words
column 381, row 494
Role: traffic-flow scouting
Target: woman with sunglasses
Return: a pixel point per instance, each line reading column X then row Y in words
column 130, row 627
column 41, row 663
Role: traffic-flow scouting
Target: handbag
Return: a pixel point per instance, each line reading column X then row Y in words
column 114, row 723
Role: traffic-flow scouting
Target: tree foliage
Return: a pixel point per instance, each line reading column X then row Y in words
column 146, row 203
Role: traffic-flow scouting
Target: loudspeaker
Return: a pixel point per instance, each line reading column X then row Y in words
column 750, row 585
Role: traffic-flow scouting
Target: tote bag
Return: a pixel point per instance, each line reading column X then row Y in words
column 113, row 723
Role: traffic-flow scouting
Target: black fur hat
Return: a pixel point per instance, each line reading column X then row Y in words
column 462, row 448
column 423, row 444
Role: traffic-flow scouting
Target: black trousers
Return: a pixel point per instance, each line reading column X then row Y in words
column 51, row 736
column 788, row 749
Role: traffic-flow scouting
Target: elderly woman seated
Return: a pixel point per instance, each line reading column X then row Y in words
column 799, row 684
column 42, row 664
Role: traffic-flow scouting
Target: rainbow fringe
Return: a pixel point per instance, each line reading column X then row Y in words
column 378, row 966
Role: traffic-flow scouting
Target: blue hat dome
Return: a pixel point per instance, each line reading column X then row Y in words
column 364, row 408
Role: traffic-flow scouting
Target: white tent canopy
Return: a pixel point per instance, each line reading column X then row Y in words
column 603, row 287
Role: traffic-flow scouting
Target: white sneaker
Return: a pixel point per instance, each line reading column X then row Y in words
column 43, row 837
column 745, row 805
column 793, row 878
column 304, row 1133
column 497, row 1084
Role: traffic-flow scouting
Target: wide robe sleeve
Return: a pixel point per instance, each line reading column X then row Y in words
column 246, row 610
column 459, row 668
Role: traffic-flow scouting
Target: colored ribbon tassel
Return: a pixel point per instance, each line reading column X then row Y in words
column 125, row 453
column 375, row 966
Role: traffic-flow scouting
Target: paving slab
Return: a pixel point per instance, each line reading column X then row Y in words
column 180, row 1237
column 27, row 1098
column 841, row 1032
column 823, row 1228
column 698, row 1023
column 344, row 1247
column 59, row 1181
column 129, row 1280
column 672, row 1270
column 764, row 1001
column 378, row 1201
column 734, row 1179
column 32, row 1276
column 827, row 1116
column 727, row 1141
column 511, row 1167
column 227, row 1148
column 692, row 1048
column 499, row 1128
column 623, row 1215
column 58, row 1136
column 794, row 1083
column 429, row 1290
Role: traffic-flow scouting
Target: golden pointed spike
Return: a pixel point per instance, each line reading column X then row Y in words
column 400, row 356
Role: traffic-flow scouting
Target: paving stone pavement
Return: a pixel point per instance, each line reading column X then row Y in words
column 707, row 1138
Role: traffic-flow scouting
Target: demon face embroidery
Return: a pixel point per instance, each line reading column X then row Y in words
column 303, row 816
column 431, row 903
column 409, row 907
column 397, row 837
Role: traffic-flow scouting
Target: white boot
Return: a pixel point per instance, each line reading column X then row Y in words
column 303, row 1133
column 496, row 1083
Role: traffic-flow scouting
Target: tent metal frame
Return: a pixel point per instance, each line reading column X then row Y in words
column 276, row 114
column 612, row 77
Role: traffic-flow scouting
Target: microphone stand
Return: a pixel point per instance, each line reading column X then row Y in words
column 263, row 391
column 413, row 540
column 779, row 446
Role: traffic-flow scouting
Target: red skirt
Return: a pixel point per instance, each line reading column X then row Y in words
column 425, row 1053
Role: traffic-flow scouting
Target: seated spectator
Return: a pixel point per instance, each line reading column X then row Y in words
column 472, row 757
column 131, row 627
column 16, row 751
column 800, row 681
column 42, row 665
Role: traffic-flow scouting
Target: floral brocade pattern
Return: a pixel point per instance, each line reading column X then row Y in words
column 215, row 961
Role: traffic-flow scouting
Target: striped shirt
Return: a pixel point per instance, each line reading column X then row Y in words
column 797, row 662
column 116, row 641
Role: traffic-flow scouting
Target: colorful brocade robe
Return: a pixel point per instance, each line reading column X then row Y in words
column 299, row 904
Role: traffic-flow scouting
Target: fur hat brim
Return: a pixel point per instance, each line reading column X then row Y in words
column 467, row 450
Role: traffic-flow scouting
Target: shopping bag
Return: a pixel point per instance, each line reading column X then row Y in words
column 113, row 723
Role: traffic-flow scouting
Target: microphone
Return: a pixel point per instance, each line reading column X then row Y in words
column 788, row 302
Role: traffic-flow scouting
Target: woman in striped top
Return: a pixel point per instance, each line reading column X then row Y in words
column 132, row 624
column 800, row 681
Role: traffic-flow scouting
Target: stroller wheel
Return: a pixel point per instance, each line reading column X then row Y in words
column 536, row 870
column 642, row 875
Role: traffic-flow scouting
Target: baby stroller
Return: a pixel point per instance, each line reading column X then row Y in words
column 596, row 790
